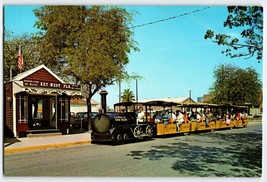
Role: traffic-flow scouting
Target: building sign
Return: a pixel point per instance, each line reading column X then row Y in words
column 64, row 86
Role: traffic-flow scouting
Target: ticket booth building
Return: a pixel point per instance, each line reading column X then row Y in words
column 38, row 100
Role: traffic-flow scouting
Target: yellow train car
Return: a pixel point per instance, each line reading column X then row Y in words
column 240, row 123
column 218, row 124
column 163, row 129
column 184, row 128
column 245, row 122
column 187, row 126
column 231, row 125
column 212, row 125
column 201, row 126
column 171, row 128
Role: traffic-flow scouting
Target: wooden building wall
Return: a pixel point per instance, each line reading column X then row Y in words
column 42, row 75
column 8, row 109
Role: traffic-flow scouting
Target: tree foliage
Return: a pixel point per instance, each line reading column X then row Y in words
column 29, row 49
column 236, row 86
column 89, row 45
column 127, row 96
column 58, row 26
column 250, row 18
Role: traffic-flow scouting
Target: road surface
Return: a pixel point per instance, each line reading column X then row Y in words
column 224, row 153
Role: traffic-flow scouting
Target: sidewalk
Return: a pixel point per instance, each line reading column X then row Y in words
column 12, row 145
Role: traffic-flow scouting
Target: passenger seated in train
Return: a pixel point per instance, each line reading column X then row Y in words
column 219, row 116
column 227, row 118
column 237, row 116
column 209, row 117
column 198, row 117
column 157, row 117
column 166, row 117
column 179, row 119
column 202, row 116
column 186, row 117
column 243, row 117
column 140, row 115
column 193, row 116
column 232, row 116
column 173, row 116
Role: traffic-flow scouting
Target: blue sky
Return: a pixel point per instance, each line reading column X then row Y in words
column 174, row 57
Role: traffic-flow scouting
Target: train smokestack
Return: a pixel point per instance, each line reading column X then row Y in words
column 104, row 94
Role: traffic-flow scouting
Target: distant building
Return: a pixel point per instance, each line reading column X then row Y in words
column 207, row 98
column 79, row 105
column 200, row 99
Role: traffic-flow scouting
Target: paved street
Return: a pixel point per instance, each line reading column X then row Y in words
column 225, row 153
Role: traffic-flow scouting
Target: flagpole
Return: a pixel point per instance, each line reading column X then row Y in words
column 20, row 59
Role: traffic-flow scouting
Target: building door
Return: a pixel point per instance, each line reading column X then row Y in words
column 64, row 114
column 22, row 114
column 53, row 113
column 43, row 112
column 46, row 112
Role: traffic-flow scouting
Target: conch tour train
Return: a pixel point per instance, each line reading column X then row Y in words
column 136, row 120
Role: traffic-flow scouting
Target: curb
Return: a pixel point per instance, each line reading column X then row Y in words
column 23, row 149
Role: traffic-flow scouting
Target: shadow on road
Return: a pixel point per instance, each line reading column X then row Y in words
column 221, row 154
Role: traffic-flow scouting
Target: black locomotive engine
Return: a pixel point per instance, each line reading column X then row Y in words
column 121, row 126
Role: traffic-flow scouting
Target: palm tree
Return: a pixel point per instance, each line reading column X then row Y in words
column 127, row 96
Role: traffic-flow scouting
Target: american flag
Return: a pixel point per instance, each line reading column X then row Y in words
column 20, row 59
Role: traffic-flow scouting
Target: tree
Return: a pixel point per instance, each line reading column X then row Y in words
column 127, row 96
column 236, row 86
column 30, row 52
column 89, row 45
column 250, row 18
column 59, row 29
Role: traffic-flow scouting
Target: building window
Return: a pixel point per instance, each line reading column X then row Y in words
column 23, row 109
column 64, row 110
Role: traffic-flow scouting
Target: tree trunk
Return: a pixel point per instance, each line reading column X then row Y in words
column 89, row 112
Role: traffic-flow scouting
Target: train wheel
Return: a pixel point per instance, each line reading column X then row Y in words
column 138, row 132
column 125, row 136
column 119, row 139
column 149, row 131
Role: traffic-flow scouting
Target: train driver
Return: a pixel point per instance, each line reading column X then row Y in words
column 140, row 115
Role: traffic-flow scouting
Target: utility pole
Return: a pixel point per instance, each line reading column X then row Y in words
column 10, row 72
column 136, row 90
column 190, row 96
column 119, row 91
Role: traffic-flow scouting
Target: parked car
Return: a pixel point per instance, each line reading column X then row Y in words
column 94, row 115
column 83, row 115
column 81, row 119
